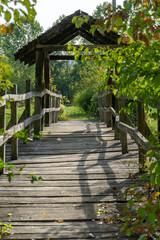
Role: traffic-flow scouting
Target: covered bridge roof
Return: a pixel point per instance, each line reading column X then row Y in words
column 61, row 34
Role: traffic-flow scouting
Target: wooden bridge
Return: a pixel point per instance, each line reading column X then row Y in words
column 84, row 173
column 85, row 165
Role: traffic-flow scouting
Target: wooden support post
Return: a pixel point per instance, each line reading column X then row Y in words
column 100, row 106
column 103, row 111
column 2, row 126
column 28, row 104
column 53, row 113
column 57, row 106
column 123, row 135
column 47, row 85
column 114, row 106
column 117, row 135
column 39, row 88
column 141, row 128
column 108, row 104
column 14, row 121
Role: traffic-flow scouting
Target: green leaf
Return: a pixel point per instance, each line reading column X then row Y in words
column 142, row 237
column 158, row 180
column 131, row 203
column 153, row 178
column 141, row 212
column 8, row 16
column 16, row 15
column 10, row 176
column 152, row 166
column 151, row 217
column 144, row 176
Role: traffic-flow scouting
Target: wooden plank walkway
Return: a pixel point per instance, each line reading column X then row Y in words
column 83, row 173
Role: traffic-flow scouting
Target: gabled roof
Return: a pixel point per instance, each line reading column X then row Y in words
column 61, row 34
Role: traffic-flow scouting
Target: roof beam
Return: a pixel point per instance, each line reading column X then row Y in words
column 52, row 48
column 70, row 57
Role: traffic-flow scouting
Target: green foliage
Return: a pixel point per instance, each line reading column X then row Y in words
column 83, row 99
column 75, row 113
column 10, row 43
column 23, row 135
column 63, row 114
column 15, row 12
column 35, row 179
column 5, row 229
column 134, row 70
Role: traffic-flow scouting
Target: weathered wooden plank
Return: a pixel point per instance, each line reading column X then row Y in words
column 14, row 121
column 67, row 183
column 91, row 176
column 25, row 96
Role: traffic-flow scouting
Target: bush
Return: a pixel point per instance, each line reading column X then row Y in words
column 83, row 99
column 63, row 115
column 87, row 100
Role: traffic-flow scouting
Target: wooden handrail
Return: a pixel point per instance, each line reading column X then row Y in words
column 25, row 96
column 27, row 121
column 10, row 132
column 140, row 134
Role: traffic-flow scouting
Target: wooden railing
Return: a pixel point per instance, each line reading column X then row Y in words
column 109, row 107
column 48, row 113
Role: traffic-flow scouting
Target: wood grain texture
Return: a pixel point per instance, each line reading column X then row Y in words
column 83, row 172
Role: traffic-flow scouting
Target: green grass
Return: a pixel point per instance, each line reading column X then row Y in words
column 20, row 111
column 75, row 113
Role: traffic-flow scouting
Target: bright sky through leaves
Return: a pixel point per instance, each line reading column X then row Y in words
column 48, row 11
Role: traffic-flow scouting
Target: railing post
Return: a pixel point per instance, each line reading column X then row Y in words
column 39, row 88
column 3, row 125
column 114, row 106
column 141, row 128
column 57, row 106
column 14, row 121
column 123, row 135
column 100, row 106
column 28, row 104
column 47, row 86
column 53, row 113
column 108, row 104
column 117, row 135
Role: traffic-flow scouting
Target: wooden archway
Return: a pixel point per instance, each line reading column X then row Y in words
column 39, row 51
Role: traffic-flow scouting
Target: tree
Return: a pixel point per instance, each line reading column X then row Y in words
column 11, row 42
column 14, row 12
column 100, row 11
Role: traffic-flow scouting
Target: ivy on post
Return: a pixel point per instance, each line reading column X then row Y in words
column 47, row 86
column 123, row 135
column 141, row 128
column 28, row 103
column 2, row 125
column 14, row 121
column 38, row 88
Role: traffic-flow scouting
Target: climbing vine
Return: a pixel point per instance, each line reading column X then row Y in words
column 132, row 70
